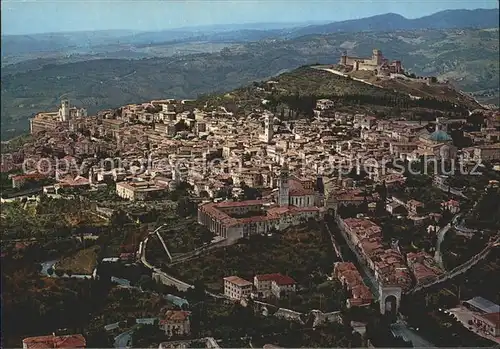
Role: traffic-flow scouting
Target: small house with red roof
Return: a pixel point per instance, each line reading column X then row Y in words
column 19, row 181
column 453, row 206
column 176, row 323
column 53, row 341
column 276, row 284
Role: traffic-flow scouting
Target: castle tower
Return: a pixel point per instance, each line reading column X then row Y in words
column 343, row 58
column 377, row 57
column 64, row 112
column 268, row 128
column 284, row 189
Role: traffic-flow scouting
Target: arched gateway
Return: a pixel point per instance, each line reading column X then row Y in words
column 389, row 299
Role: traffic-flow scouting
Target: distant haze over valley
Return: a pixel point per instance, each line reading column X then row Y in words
column 104, row 69
column 75, row 43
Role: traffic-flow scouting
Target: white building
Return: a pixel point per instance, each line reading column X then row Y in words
column 140, row 190
column 276, row 285
column 267, row 137
column 237, row 288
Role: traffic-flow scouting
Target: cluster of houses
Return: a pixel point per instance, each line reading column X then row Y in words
column 162, row 142
column 174, row 323
column 387, row 264
column 349, row 276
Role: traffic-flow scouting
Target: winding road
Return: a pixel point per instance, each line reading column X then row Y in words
column 438, row 257
column 457, row 224
column 166, row 279
column 157, row 232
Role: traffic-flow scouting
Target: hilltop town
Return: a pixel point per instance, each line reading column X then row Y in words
column 293, row 207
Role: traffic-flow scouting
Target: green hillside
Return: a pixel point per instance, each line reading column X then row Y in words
column 294, row 94
column 468, row 58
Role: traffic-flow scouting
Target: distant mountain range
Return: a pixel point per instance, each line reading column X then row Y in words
column 106, row 69
column 468, row 58
column 449, row 19
column 85, row 42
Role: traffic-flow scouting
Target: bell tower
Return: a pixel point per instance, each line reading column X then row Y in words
column 64, row 112
column 284, row 189
column 268, row 128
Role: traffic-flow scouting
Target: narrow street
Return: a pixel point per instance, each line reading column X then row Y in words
column 335, row 245
column 348, row 255
column 438, row 255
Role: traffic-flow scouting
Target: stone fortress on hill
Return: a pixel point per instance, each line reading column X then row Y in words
column 377, row 64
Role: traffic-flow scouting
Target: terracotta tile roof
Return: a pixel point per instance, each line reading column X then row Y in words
column 419, row 265
column 297, row 188
column 280, row 279
column 363, row 227
column 272, row 213
column 237, row 281
column 69, row 341
column 347, row 273
column 341, row 267
column 352, row 277
column 361, row 291
column 371, row 247
column 28, row 176
column 494, row 318
column 175, row 316
column 240, row 203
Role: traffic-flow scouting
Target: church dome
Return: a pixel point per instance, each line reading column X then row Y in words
column 440, row 136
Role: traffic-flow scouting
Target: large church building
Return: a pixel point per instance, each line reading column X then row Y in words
column 53, row 120
column 297, row 200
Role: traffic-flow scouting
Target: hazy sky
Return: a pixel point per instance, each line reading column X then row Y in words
column 41, row 16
